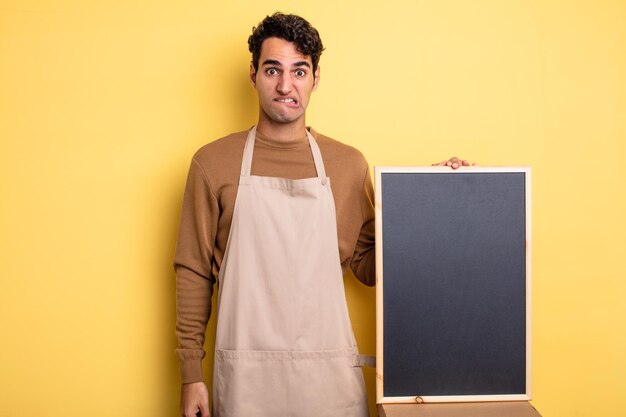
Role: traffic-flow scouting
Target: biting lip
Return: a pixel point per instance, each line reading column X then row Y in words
column 289, row 100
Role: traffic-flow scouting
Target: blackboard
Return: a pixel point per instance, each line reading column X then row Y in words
column 453, row 299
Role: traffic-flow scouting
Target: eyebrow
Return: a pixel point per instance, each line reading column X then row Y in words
column 302, row 64
column 278, row 63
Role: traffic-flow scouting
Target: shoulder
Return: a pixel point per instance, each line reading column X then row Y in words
column 336, row 153
column 225, row 148
column 219, row 162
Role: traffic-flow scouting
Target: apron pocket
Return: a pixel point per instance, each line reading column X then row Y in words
column 288, row 384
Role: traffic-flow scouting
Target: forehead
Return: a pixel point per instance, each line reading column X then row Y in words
column 285, row 52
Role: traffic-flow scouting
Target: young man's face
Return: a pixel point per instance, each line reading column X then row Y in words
column 284, row 82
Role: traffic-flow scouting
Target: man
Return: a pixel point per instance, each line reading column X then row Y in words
column 259, row 216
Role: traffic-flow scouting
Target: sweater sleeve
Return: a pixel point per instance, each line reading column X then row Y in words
column 192, row 263
column 363, row 262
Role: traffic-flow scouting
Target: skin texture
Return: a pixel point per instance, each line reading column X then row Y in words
column 454, row 163
column 284, row 83
column 194, row 400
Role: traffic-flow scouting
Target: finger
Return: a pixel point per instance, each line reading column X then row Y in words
column 465, row 163
column 204, row 410
column 191, row 412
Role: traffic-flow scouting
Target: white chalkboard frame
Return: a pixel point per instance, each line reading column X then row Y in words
column 417, row 398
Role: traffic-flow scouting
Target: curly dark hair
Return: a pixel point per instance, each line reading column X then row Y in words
column 291, row 28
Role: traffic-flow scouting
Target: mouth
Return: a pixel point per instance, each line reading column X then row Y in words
column 289, row 101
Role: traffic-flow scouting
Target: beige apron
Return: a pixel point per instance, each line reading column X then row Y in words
column 284, row 345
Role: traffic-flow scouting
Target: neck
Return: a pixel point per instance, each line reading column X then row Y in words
column 283, row 132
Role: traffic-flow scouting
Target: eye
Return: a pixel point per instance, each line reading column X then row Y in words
column 271, row 71
column 300, row 73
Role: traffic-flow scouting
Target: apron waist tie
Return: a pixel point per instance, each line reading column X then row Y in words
column 364, row 360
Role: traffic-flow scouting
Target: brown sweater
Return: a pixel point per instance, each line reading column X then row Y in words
column 207, row 212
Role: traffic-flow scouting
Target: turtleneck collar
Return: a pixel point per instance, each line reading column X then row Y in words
column 281, row 144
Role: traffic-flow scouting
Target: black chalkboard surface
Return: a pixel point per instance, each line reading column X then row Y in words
column 453, row 284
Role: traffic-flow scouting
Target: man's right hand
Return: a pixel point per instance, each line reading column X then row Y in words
column 194, row 400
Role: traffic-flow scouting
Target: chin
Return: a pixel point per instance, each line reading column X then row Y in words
column 281, row 117
column 284, row 119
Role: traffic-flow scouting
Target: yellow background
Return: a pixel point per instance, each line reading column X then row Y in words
column 102, row 105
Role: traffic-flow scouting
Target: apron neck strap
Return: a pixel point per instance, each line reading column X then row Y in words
column 248, row 150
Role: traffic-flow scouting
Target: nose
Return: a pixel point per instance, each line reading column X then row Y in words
column 284, row 84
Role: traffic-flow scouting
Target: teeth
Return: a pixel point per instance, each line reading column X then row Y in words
column 286, row 100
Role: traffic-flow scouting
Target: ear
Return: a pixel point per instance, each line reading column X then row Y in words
column 316, row 80
column 252, row 75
